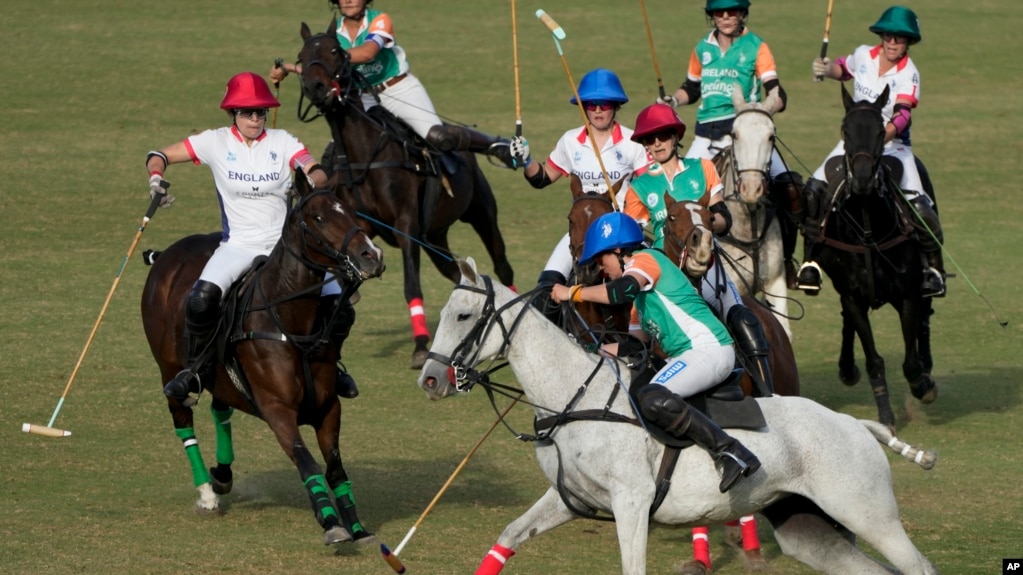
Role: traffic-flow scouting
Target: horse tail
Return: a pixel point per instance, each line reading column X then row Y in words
column 883, row 434
column 149, row 257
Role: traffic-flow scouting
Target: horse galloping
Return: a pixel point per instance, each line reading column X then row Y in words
column 820, row 469
column 396, row 186
column 270, row 361
column 865, row 245
column 753, row 246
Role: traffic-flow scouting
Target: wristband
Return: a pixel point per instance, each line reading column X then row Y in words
column 157, row 173
column 575, row 293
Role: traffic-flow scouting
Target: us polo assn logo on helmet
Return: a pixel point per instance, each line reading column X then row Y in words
column 606, row 230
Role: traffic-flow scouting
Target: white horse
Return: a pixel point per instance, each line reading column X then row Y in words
column 819, row 468
column 753, row 247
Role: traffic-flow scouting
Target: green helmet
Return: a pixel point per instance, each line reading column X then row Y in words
column 713, row 5
column 899, row 21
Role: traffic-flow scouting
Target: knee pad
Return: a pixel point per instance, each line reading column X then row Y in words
column 747, row 331
column 659, row 404
column 203, row 304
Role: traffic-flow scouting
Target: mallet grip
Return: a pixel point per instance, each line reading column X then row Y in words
column 553, row 26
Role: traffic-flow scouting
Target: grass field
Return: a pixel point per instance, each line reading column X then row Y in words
column 89, row 87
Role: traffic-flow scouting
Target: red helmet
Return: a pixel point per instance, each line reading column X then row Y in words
column 657, row 118
column 248, row 90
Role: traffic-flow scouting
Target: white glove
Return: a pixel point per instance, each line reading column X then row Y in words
column 670, row 100
column 157, row 185
column 520, row 150
column 820, row 67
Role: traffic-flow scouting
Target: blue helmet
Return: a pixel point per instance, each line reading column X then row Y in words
column 611, row 231
column 600, row 85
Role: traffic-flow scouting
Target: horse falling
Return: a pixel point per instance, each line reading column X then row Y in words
column 753, row 246
column 397, row 185
column 861, row 235
column 821, row 471
column 269, row 363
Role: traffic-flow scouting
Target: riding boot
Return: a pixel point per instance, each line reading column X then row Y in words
column 668, row 410
column 787, row 196
column 753, row 348
column 543, row 301
column 931, row 238
column 460, row 139
column 202, row 313
column 809, row 276
column 344, row 383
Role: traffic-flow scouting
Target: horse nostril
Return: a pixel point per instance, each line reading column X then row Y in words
column 431, row 382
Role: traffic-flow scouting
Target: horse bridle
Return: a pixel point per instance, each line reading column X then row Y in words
column 341, row 75
column 872, row 156
column 734, row 171
column 312, row 240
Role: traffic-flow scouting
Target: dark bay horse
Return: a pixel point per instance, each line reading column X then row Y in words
column 867, row 250
column 585, row 320
column 398, row 187
column 268, row 363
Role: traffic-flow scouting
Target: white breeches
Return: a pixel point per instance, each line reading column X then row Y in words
column 709, row 149
column 719, row 301
column 696, row 370
column 231, row 260
column 910, row 183
column 561, row 258
column 409, row 101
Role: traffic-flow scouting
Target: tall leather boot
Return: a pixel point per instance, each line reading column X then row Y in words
column 809, row 277
column 930, row 239
column 344, row 383
column 543, row 301
column 460, row 139
column 202, row 313
column 786, row 192
column 671, row 412
column 749, row 337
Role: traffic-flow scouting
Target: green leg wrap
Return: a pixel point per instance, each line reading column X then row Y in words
column 225, row 444
column 346, row 505
column 319, row 495
column 200, row 474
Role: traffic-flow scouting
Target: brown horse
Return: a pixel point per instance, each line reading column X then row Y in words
column 270, row 361
column 590, row 322
column 394, row 184
column 688, row 239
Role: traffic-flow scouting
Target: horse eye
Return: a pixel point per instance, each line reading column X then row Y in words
column 463, row 316
column 318, row 218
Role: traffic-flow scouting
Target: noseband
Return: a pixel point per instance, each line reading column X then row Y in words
column 312, row 241
column 342, row 87
column 736, row 172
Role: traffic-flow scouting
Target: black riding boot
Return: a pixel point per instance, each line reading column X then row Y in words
column 809, row 277
column 931, row 239
column 671, row 412
column 786, row 193
column 543, row 301
column 460, row 139
column 344, row 383
column 753, row 348
column 202, row 313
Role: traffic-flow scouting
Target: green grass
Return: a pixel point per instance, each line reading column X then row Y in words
column 89, row 87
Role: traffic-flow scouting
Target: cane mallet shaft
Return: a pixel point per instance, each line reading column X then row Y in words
column 454, row 474
column 49, row 430
column 827, row 34
column 515, row 66
column 277, row 93
column 653, row 53
column 559, row 34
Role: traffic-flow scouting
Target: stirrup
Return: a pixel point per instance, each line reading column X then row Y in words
column 933, row 284
column 181, row 387
column 809, row 277
column 344, row 383
column 502, row 151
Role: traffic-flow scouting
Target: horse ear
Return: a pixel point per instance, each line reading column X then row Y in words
column 846, row 97
column 304, row 31
column 882, row 100
column 468, row 269
column 617, row 185
column 773, row 103
column 332, row 29
column 738, row 102
column 575, row 184
column 301, row 183
column 669, row 201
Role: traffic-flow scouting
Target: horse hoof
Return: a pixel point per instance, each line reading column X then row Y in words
column 418, row 359
column 221, row 485
column 694, row 568
column 336, row 535
column 926, row 390
column 756, row 562
column 208, row 502
column 733, row 535
column 365, row 537
column 849, row 377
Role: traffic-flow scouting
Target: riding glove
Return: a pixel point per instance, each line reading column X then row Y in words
column 520, row 150
column 820, row 67
column 670, row 100
column 157, row 185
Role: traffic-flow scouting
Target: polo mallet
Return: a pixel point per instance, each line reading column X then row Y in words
column 458, row 470
column 653, row 53
column 49, row 430
column 277, row 93
column 559, row 34
column 827, row 33
column 515, row 66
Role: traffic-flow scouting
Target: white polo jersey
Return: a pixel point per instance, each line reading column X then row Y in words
column 903, row 78
column 252, row 182
column 622, row 158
